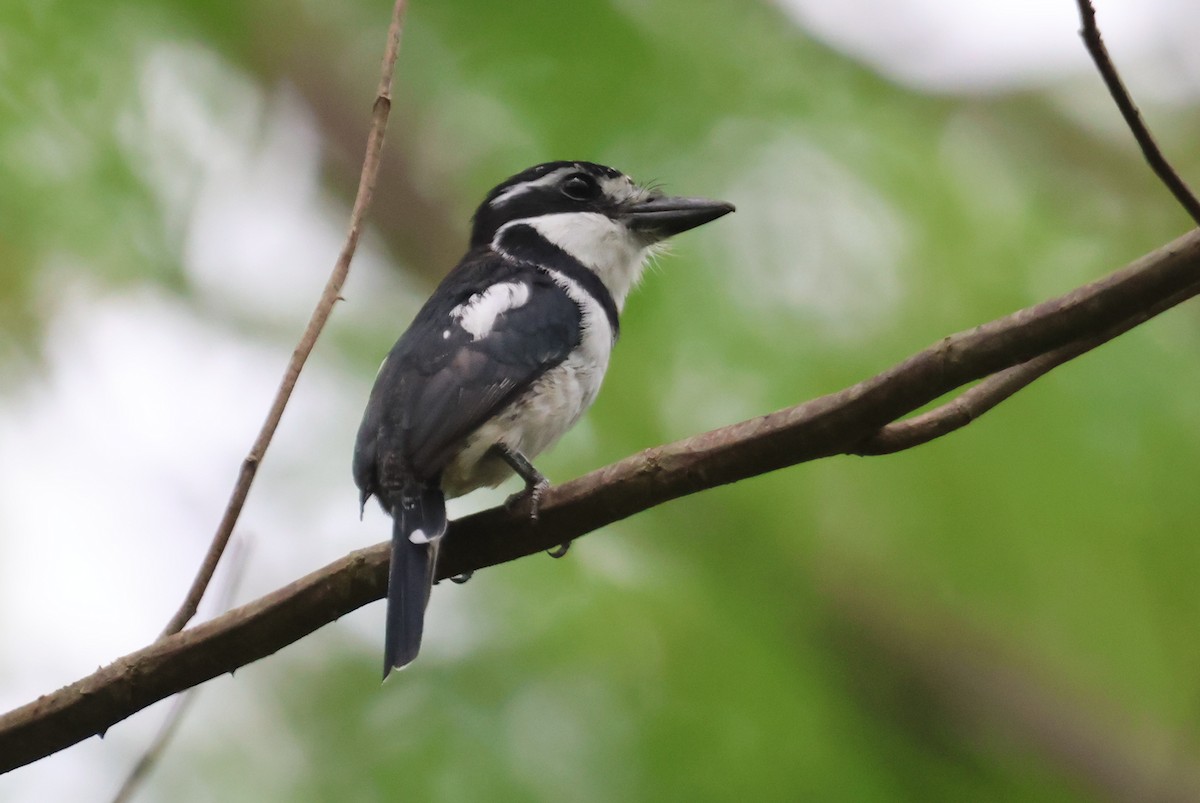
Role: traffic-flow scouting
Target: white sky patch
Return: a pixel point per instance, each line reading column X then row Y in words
column 238, row 171
column 116, row 464
column 478, row 316
column 947, row 46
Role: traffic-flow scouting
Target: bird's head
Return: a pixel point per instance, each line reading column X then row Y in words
column 596, row 214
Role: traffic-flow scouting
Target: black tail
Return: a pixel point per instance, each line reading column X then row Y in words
column 418, row 524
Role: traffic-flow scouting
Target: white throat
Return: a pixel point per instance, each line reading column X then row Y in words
column 610, row 250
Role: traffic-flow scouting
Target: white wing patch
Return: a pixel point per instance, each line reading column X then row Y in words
column 477, row 316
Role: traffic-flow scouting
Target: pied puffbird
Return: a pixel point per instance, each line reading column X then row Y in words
column 504, row 357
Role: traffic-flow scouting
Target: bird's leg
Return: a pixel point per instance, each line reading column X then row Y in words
column 535, row 482
column 535, row 485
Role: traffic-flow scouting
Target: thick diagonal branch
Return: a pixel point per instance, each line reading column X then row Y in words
column 826, row 426
column 971, row 404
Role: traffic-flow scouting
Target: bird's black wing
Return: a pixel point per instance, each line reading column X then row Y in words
column 457, row 366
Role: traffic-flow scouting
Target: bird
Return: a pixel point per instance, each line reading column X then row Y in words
column 504, row 357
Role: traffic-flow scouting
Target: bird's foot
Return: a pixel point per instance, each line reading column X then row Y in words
column 534, row 493
column 559, row 551
column 459, row 579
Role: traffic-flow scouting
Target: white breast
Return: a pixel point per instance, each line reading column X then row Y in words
column 565, row 392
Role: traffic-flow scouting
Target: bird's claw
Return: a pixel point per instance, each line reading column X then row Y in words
column 533, row 493
column 559, row 551
column 459, row 579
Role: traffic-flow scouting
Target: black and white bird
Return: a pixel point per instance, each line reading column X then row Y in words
column 504, row 357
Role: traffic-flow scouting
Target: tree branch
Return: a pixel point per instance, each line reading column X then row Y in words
column 971, row 404
column 1129, row 110
column 329, row 297
column 833, row 424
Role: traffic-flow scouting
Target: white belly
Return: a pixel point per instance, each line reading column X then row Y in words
column 530, row 425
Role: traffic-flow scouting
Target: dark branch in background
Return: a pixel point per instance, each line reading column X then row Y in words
column 1129, row 110
column 235, row 569
column 422, row 225
column 839, row 423
column 913, row 662
column 421, row 230
column 329, row 297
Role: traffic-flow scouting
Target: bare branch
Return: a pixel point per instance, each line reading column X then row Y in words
column 166, row 732
column 329, row 297
column 973, row 403
column 1129, row 110
column 236, row 565
column 823, row 427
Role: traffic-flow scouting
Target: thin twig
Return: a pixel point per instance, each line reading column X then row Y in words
column 239, row 551
column 166, row 732
column 329, row 297
column 1129, row 110
column 823, row 427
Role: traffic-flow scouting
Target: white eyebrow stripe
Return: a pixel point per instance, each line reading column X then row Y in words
column 545, row 181
column 478, row 314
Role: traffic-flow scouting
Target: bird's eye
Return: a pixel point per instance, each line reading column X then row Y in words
column 580, row 187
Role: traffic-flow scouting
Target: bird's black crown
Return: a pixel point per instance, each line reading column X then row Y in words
column 576, row 188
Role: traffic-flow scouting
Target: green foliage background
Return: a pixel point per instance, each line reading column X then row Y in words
column 834, row 631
